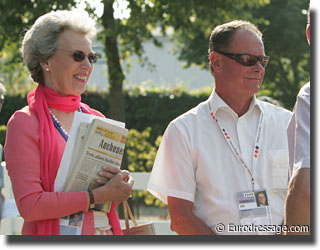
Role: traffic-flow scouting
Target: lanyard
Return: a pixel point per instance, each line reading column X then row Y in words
column 256, row 149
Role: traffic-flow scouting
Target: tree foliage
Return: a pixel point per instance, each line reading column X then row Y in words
column 282, row 23
column 192, row 22
column 16, row 17
column 286, row 43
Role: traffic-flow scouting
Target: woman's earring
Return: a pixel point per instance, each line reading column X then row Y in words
column 46, row 69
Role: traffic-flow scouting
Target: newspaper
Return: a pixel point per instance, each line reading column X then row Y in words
column 72, row 145
column 79, row 142
column 97, row 143
column 101, row 144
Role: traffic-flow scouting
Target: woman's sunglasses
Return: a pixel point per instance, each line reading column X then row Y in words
column 246, row 59
column 79, row 56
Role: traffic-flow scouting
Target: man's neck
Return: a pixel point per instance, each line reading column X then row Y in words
column 239, row 105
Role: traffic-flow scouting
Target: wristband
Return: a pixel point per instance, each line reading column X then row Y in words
column 91, row 196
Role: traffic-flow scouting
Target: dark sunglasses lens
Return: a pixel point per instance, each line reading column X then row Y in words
column 93, row 58
column 79, row 56
column 248, row 60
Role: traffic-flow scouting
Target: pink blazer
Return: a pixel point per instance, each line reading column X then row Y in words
column 22, row 157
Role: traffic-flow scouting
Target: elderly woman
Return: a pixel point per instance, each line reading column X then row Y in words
column 57, row 51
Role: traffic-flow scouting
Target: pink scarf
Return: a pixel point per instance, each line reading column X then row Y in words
column 40, row 100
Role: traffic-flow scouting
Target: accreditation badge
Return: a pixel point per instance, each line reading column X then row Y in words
column 72, row 224
column 254, row 209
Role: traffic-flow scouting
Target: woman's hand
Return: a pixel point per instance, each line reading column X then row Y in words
column 106, row 173
column 118, row 188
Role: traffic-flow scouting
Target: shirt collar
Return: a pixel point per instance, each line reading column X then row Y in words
column 216, row 103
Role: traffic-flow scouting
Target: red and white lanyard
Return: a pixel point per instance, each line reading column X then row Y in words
column 235, row 150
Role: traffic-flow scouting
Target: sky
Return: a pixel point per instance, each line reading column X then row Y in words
column 120, row 8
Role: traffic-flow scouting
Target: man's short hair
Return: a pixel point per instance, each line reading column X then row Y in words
column 221, row 36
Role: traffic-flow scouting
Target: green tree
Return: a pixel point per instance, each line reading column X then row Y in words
column 192, row 21
column 12, row 72
column 16, row 17
column 141, row 155
column 286, row 43
column 282, row 23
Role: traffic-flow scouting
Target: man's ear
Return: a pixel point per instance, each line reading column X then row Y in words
column 216, row 62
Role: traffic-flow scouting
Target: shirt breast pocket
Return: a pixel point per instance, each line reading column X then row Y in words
column 278, row 160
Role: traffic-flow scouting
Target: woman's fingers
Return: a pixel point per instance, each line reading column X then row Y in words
column 107, row 172
column 118, row 188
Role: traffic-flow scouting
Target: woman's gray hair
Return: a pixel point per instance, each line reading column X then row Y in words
column 41, row 41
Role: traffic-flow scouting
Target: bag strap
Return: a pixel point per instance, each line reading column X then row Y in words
column 126, row 211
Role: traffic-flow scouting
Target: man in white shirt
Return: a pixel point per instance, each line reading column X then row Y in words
column 298, row 200
column 215, row 158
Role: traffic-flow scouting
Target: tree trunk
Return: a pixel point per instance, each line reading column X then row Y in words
column 115, row 74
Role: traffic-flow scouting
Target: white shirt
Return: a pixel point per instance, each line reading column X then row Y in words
column 299, row 131
column 194, row 162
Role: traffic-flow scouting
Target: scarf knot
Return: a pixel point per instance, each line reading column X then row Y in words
column 53, row 99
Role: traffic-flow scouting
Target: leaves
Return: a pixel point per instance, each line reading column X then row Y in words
column 286, row 43
column 192, row 21
column 141, row 155
column 16, row 17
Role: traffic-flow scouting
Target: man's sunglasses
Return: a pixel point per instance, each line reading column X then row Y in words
column 79, row 56
column 246, row 59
